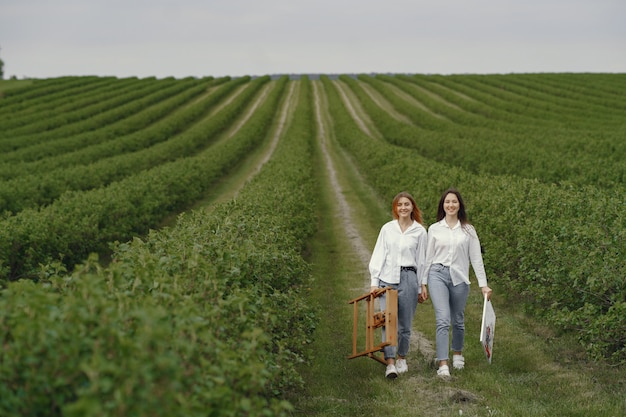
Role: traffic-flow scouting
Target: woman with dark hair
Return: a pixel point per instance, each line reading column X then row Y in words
column 397, row 262
column 452, row 245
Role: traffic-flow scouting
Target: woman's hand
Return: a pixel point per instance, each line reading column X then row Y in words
column 373, row 288
column 486, row 292
column 423, row 296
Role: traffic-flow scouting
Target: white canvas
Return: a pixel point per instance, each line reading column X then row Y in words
column 487, row 329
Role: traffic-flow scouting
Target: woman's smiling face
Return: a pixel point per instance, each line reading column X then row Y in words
column 451, row 205
column 404, row 207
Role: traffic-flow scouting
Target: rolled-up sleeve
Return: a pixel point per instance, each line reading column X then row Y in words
column 429, row 255
column 420, row 257
column 476, row 258
column 377, row 260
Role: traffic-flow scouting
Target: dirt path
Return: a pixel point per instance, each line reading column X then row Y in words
column 345, row 211
column 384, row 104
column 229, row 186
column 414, row 101
column 285, row 116
column 261, row 97
column 343, row 208
column 229, row 99
column 434, row 96
column 234, row 183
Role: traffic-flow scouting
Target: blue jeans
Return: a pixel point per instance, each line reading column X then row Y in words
column 449, row 304
column 408, row 292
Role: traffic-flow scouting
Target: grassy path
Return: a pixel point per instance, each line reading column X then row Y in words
column 351, row 218
column 229, row 185
column 338, row 256
column 533, row 373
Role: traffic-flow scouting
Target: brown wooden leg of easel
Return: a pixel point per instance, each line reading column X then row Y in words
column 374, row 320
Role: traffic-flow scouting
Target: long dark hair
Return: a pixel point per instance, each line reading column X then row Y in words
column 465, row 224
column 416, row 214
column 462, row 213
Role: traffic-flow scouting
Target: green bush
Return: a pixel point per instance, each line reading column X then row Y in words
column 208, row 318
column 555, row 249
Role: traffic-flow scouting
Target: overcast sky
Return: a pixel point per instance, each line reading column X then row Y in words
column 45, row 38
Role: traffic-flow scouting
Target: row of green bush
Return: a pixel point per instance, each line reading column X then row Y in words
column 89, row 117
column 557, row 250
column 48, row 91
column 208, row 318
column 86, row 221
column 151, row 108
column 183, row 135
column 515, row 97
column 45, row 107
column 576, row 94
column 523, row 146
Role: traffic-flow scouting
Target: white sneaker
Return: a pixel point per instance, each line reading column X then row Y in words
column 391, row 371
column 401, row 366
column 458, row 361
column 443, row 371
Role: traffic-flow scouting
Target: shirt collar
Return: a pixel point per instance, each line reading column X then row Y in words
column 408, row 228
column 444, row 224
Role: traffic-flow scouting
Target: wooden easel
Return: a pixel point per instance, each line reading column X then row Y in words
column 374, row 320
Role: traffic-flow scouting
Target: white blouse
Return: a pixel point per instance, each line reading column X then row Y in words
column 455, row 247
column 395, row 249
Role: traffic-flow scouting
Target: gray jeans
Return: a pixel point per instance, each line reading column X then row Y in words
column 408, row 292
column 449, row 304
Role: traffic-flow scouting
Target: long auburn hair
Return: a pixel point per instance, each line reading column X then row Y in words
column 462, row 213
column 416, row 214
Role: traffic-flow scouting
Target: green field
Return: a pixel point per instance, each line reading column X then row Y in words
column 188, row 246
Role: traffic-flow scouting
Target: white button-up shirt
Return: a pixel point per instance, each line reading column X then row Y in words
column 455, row 247
column 395, row 249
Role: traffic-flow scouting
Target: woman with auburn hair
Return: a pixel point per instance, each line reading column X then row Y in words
column 397, row 262
column 452, row 245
